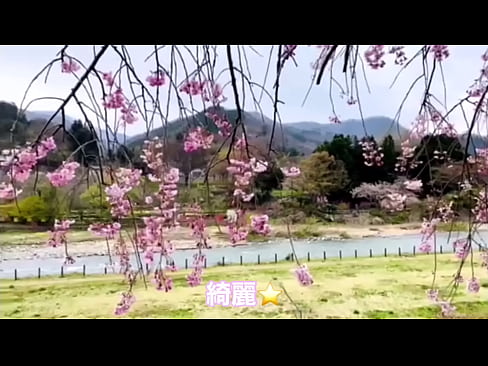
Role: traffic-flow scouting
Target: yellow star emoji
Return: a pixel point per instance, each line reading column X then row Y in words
column 270, row 295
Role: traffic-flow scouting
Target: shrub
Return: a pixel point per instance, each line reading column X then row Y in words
column 343, row 206
column 305, row 233
column 95, row 199
column 394, row 218
column 33, row 209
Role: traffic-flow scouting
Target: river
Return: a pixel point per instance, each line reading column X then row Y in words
column 251, row 253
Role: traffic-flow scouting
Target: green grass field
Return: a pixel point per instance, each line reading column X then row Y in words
column 355, row 288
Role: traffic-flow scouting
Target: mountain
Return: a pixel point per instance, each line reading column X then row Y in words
column 42, row 116
column 477, row 142
column 301, row 136
column 379, row 127
column 45, row 115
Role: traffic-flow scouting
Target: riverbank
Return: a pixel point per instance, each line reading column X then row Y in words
column 352, row 288
column 27, row 246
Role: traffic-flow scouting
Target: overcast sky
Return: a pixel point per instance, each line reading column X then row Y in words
column 19, row 64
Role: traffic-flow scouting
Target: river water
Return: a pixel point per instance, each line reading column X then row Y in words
column 249, row 254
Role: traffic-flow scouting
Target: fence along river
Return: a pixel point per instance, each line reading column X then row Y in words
column 254, row 253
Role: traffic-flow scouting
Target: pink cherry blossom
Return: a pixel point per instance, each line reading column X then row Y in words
column 63, row 225
column 260, row 224
column 394, row 202
column 258, row 166
column 428, row 228
column 374, row 56
column 156, row 79
column 195, row 277
column 461, row 248
column 291, row 172
column 213, row 92
column 413, row 185
column 303, row 275
column 372, row 154
column 149, row 256
column 48, row 145
column 474, row 285
column 241, row 143
column 433, row 295
column 115, row 100
column 63, row 175
column 172, row 176
column 447, row 309
column 399, row 53
column 243, row 195
column 70, row 66
column 108, row 78
column 237, row 234
column 108, row 231
column 115, row 193
column 193, row 87
column 458, row 279
column 445, row 212
column 426, row 247
column 224, row 126
column 58, row 235
column 129, row 114
column 481, row 208
column 21, row 165
column 198, row 139
column 162, row 282
column 8, row 191
column 122, row 251
column 484, row 258
column 440, row 52
column 123, row 307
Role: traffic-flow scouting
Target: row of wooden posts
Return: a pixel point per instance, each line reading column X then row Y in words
column 290, row 257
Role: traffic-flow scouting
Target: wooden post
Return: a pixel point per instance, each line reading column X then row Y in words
column 241, row 260
column 386, row 253
column 399, row 251
column 223, row 261
column 414, row 250
column 62, row 271
column 105, row 270
column 39, row 272
column 186, row 263
column 259, row 259
column 325, row 255
column 84, row 270
column 340, row 254
column 441, row 249
column 308, row 256
column 276, row 258
column 371, row 253
column 15, row 274
column 356, row 253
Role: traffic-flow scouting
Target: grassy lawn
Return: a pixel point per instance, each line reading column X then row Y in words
column 356, row 288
